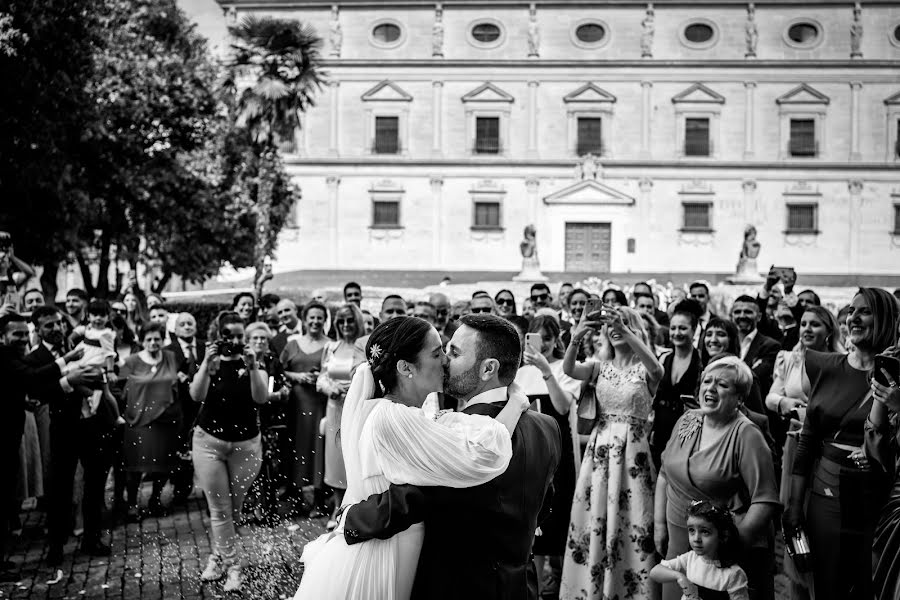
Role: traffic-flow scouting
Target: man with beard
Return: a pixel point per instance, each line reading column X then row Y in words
column 21, row 379
column 487, row 531
column 74, row 438
column 758, row 351
column 391, row 307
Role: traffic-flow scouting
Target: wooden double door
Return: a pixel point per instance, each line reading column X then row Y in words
column 588, row 247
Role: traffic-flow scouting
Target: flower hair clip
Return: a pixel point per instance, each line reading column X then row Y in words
column 374, row 353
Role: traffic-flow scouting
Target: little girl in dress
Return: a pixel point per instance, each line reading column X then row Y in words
column 709, row 571
column 99, row 344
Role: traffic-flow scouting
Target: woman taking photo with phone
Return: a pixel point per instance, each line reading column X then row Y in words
column 846, row 492
column 553, row 393
column 227, row 452
column 616, row 481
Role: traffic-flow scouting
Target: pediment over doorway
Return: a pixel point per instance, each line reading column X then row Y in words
column 589, row 192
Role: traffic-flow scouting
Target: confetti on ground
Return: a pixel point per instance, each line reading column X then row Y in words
column 57, row 579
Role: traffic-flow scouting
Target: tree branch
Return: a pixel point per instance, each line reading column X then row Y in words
column 87, row 278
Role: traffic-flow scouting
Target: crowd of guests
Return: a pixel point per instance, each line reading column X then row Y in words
column 690, row 438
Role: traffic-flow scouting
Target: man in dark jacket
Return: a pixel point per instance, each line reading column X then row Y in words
column 477, row 540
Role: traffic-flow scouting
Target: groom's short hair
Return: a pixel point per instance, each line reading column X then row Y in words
column 497, row 338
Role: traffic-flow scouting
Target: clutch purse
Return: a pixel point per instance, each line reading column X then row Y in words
column 587, row 406
column 797, row 546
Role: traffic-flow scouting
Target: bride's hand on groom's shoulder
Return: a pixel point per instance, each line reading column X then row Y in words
column 518, row 397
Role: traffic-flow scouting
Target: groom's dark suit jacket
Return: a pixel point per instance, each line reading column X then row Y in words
column 477, row 540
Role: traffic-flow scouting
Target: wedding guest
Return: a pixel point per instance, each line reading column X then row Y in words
column 846, row 494
column 126, row 345
column 788, row 398
column 482, row 304
column 371, row 322
column 528, row 309
column 422, row 309
column 154, row 299
column 339, row 358
column 681, row 376
column 842, row 315
column 717, row 454
column 441, row 304
column 721, row 339
column 188, row 351
column 615, row 483
column 302, row 360
column 153, row 417
column 137, row 312
column 552, row 392
column 506, row 303
column 459, row 309
column 644, row 288
column 289, row 325
column 227, row 451
column 262, row 497
column 757, row 350
column 699, row 292
column 244, row 304
column 614, row 297
column 540, row 296
column 31, row 299
column 577, row 301
column 353, row 293
column 76, row 307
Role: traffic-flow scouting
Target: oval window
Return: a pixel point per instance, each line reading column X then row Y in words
column 590, row 33
column 897, row 33
column 386, row 33
column 803, row 34
column 699, row 33
column 485, row 33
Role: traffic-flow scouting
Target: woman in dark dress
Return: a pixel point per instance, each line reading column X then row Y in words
column 682, row 367
column 846, row 494
column 552, row 392
column 301, row 359
column 153, row 418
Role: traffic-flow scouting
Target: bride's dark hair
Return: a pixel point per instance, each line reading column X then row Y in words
column 400, row 338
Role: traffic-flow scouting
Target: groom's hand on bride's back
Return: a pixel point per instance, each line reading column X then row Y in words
column 382, row 516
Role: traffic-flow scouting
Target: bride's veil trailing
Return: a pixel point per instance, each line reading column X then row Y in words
column 362, row 388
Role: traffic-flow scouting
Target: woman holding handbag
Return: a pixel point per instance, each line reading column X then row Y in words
column 610, row 548
column 551, row 392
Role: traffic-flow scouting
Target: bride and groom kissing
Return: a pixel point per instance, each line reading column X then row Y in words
column 439, row 503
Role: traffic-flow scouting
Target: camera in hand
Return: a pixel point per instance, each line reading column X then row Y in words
column 229, row 348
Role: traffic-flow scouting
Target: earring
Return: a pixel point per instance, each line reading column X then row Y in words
column 410, row 375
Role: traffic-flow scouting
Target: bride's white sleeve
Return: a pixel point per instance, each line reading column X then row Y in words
column 456, row 451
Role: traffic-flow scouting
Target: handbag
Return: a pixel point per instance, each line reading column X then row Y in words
column 587, row 405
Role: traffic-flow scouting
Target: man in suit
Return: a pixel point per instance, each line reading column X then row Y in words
column 76, row 434
column 20, row 379
column 189, row 352
column 758, row 351
column 485, row 532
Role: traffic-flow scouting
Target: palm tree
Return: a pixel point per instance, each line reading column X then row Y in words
column 279, row 61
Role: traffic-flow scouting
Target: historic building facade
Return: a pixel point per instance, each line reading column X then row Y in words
column 636, row 137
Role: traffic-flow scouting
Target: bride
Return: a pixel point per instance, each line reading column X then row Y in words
column 391, row 439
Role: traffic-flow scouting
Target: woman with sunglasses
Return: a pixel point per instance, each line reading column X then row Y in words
column 506, row 303
column 339, row 359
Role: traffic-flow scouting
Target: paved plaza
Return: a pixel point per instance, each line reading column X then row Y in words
column 159, row 558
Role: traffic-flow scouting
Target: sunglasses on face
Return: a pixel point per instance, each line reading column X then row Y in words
column 505, row 301
column 539, row 297
column 476, row 311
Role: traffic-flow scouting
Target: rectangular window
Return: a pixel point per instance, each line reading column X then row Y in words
column 487, row 135
column 897, row 141
column 385, row 213
column 802, row 218
column 803, row 138
column 696, row 137
column 697, row 216
column 897, row 219
column 387, row 135
column 590, row 136
column 487, row 215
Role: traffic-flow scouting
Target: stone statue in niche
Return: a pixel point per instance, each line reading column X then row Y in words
column 337, row 35
column 648, row 29
column 747, row 270
column 856, row 32
column 531, row 268
column 534, row 34
column 751, row 33
column 588, row 168
column 437, row 32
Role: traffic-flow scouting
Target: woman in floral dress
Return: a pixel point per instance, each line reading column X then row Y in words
column 610, row 549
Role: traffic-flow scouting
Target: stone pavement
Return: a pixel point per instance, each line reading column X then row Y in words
column 159, row 558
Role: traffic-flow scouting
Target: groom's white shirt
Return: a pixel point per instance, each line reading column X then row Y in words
column 495, row 395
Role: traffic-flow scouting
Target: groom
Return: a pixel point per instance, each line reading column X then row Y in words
column 477, row 540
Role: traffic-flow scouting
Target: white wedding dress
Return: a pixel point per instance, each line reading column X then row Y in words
column 384, row 442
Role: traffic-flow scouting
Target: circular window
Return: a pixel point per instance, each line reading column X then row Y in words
column 894, row 34
column 387, row 33
column 803, row 33
column 486, row 33
column 590, row 34
column 699, row 34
